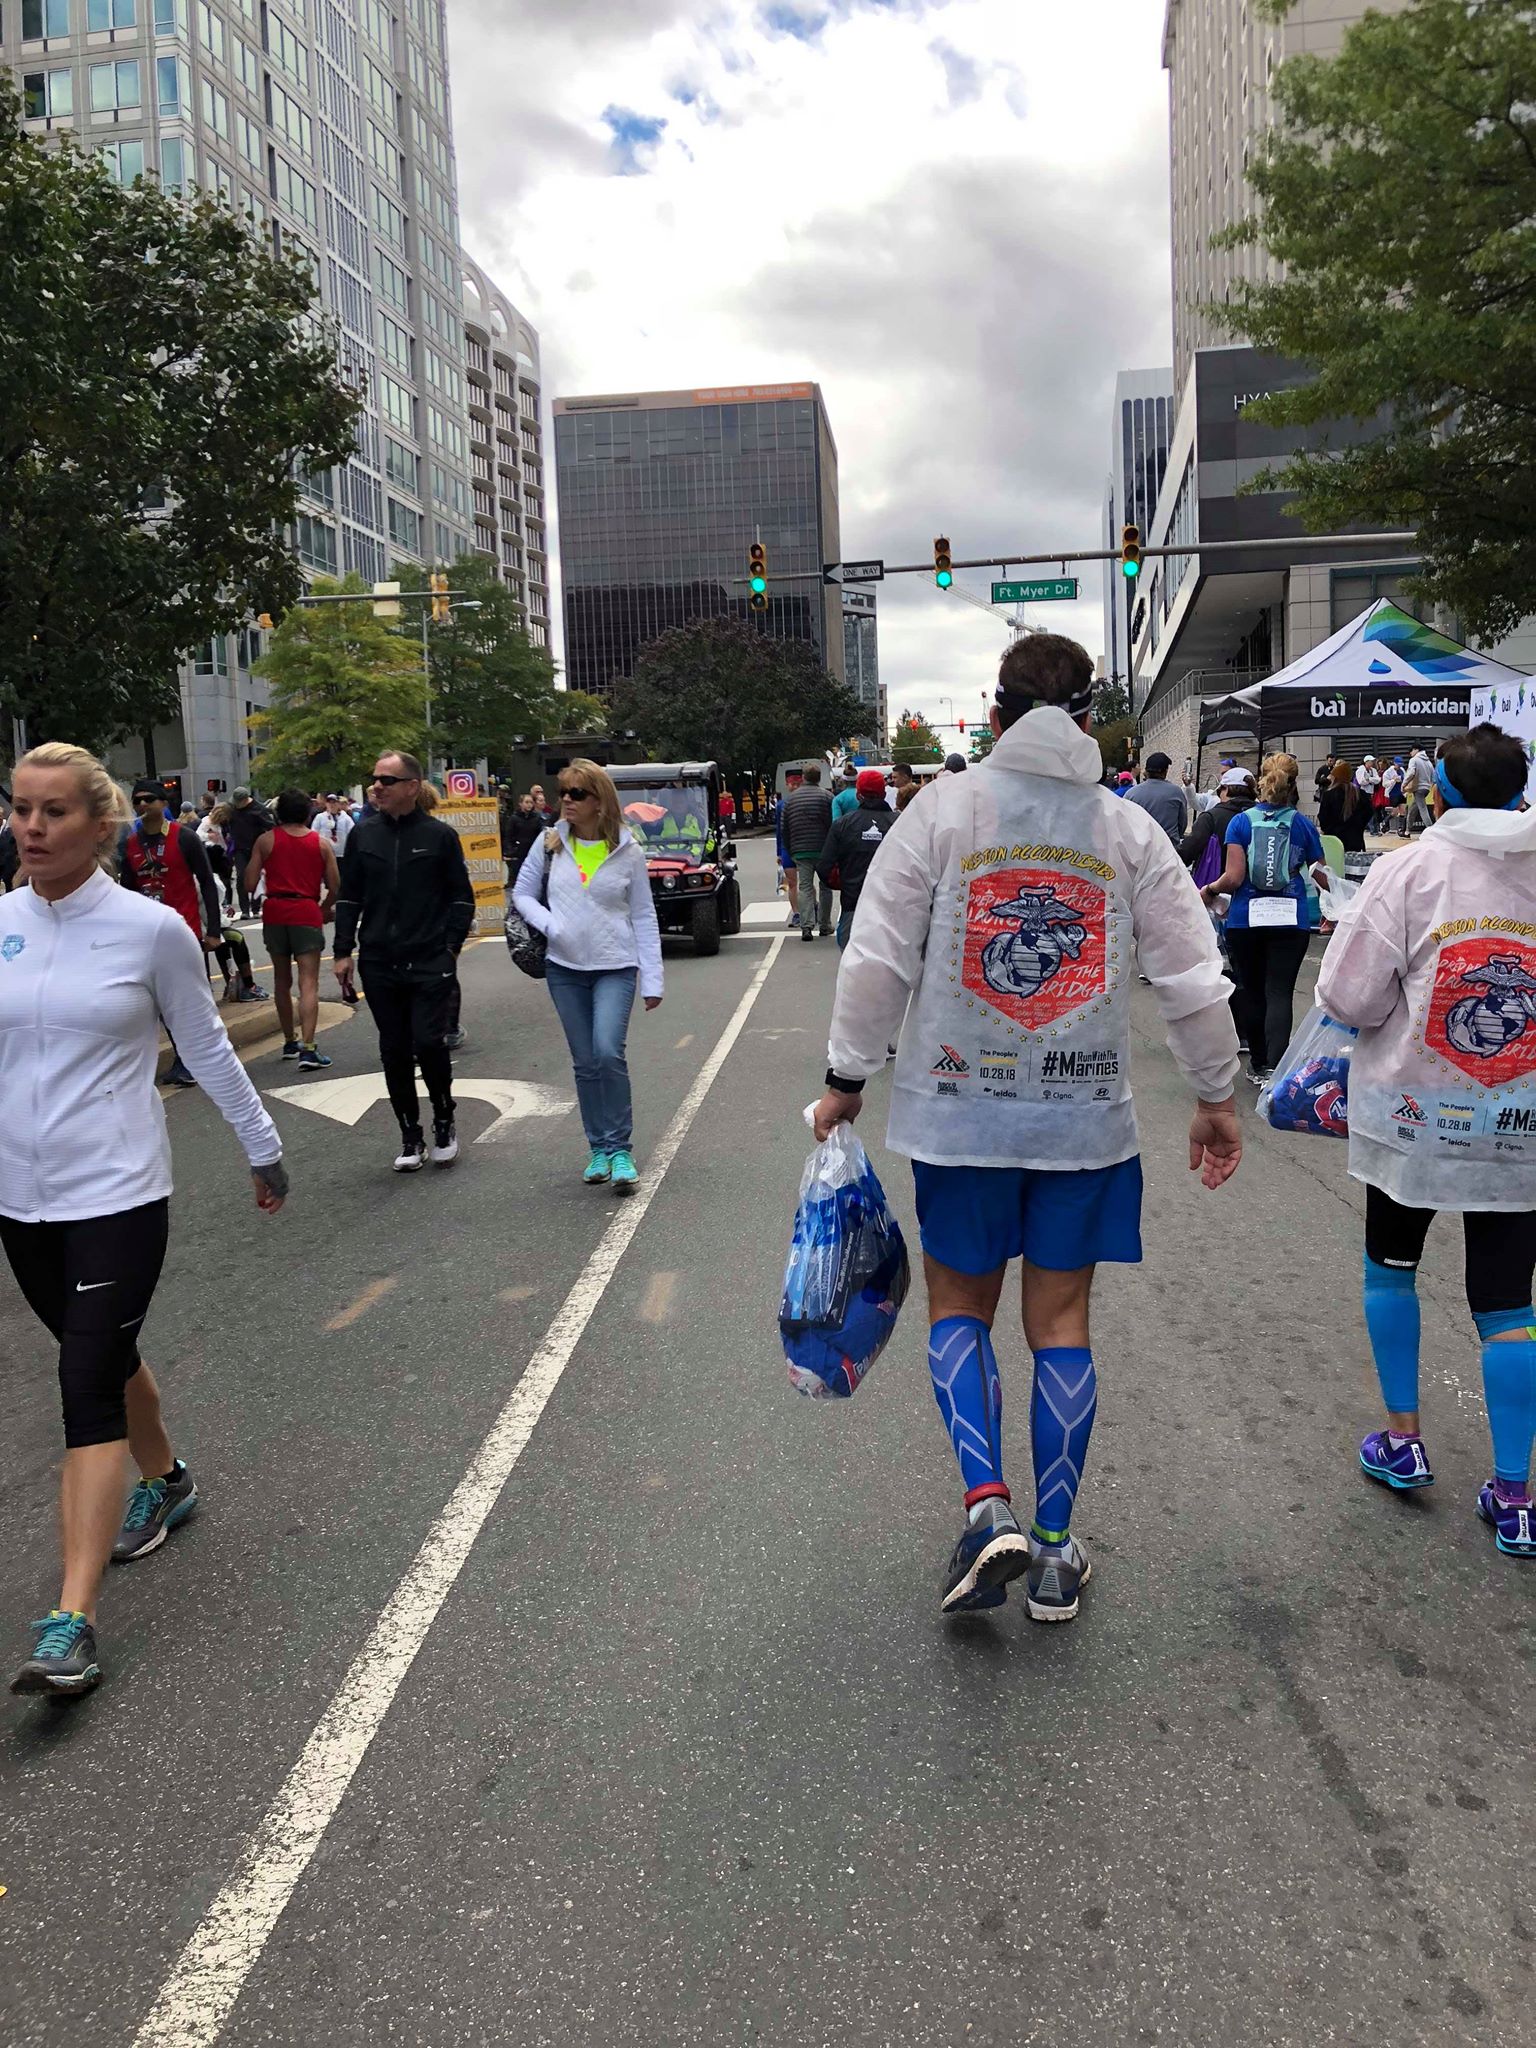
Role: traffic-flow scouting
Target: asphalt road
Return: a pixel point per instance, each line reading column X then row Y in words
column 686, row 1754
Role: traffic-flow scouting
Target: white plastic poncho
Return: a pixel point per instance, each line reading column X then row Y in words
column 1012, row 906
column 1435, row 962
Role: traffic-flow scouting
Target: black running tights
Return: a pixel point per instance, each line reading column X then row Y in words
column 90, row 1283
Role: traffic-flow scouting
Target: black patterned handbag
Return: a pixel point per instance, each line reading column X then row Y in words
column 530, row 948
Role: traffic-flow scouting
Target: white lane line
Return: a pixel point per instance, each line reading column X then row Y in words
column 197, row 1997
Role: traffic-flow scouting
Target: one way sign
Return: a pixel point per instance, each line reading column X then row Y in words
column 854, row 572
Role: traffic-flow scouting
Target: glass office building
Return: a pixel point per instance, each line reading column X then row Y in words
column 861, row 663
column 661, row 493
column 328, row 123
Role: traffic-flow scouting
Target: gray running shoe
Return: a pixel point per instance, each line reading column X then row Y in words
column 63, row 1660
column 1056, row 1572
column 155, row 1506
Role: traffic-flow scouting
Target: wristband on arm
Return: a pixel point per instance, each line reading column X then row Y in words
column 842, row 1085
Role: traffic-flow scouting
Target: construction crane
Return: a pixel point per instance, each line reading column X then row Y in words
column 1011, row 620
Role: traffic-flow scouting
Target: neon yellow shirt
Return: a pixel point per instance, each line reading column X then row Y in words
column 590, row 855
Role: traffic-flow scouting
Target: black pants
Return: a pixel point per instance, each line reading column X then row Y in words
column 411, row 1007
column 90, row 1283
column 247, row 897
column 1501, row 1248
column 1266, row 964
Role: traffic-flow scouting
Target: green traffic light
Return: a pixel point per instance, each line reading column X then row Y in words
column 759, row 585
column 1131, row 569
column 943, row 579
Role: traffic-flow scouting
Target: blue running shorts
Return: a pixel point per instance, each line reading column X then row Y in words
column 974, row 1219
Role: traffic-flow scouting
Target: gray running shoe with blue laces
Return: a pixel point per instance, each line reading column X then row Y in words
column 1056, row 1572
column 63, row 1660
column 155, row 1506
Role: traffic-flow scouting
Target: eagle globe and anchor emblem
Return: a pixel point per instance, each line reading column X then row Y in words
column 1021, row 962
column 1483, row 1025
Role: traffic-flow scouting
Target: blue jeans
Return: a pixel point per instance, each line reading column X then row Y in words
column 594, row 1005
column 844, row 928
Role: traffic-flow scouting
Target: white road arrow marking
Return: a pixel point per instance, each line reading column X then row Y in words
column 349, row 1101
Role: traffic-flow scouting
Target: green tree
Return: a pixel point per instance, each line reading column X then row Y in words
column 162, row 382
column 490, row 684
column 914, row 740
column 720, row 690
column 346, row 687
column 1399, row 192
column 579, row 712
column 1111, row 702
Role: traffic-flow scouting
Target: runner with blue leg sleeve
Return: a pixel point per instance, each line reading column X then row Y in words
column 1435, row 967
column 1004, row 917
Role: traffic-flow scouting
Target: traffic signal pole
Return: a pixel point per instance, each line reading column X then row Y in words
column 1326, row 542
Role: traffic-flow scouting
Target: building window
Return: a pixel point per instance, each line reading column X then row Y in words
column 402, row 466
column 174, row 174
column 173, row 87
column 170, row 17
column 314, row 542
column 397, row 405
column 289, row 119
column 393, row 283
column 380, row 89
column 285, row 50
column 398, row 347
column 47, row 94
column 404, row 527
column 124, row 161
column 388, row 219
column 210, row 30
column 248, row 140
column 43, row 18
column 114, row 86
column 1352, row 591
column 105, row 14
column 295, row 192
column 215, row 110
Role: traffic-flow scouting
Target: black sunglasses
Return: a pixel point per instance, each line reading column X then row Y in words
column 389, row 781
column 146, row 796
column 576, row 796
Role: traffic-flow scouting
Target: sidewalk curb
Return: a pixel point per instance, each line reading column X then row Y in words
column 251, row 1026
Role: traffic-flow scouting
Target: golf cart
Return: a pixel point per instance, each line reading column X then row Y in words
column 673, row 810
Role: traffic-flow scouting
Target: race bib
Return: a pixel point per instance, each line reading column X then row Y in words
column 1266, row 912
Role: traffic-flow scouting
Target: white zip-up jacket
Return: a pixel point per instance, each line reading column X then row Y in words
column 1011, row 906
column 605, row 923
column 83, row 984
column 1435, row 962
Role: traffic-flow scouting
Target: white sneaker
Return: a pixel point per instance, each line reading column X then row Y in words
column 413, row 1152
column 445, row 1141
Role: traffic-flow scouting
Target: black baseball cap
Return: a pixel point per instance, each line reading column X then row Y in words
column 148, row 785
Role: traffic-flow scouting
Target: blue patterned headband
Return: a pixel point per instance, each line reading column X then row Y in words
column 1458, row 802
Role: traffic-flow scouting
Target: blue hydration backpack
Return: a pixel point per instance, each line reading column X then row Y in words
column 1271, row 868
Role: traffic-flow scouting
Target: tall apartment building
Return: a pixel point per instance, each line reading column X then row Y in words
column 861, row 664
column 1220, row 56
column 661, row 495
column 1203, row 624
column 328, row 123
column 1141, row 428
column 506, row 444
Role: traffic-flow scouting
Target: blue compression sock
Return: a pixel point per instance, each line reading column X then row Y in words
column 1509, row 1388
column 1061, row 1412
column 1392, row 1319
column 970, row 1398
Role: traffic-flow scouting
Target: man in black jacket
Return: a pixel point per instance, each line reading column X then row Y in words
column 807, row 819
column 247, row 821
column 403, row 879
column 853, row 843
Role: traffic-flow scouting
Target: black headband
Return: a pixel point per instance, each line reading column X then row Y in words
column 1074, row 706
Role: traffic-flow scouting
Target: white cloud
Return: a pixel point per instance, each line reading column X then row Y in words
column 952, row 214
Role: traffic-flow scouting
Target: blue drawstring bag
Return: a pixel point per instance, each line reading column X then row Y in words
column 1309, row 1090
column 847, row 1274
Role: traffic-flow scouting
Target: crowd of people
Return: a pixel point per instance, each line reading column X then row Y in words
column 989, row 924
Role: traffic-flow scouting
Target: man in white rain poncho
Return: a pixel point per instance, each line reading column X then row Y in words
column 1011, row 908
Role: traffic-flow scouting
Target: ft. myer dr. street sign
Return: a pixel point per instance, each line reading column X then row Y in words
column 1051, row 590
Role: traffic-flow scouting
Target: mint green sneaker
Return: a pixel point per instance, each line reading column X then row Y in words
column 625, row 1178
column 598, row 1171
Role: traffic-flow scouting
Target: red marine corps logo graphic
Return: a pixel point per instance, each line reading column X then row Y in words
column 1034, row 943
column 1482, row 1013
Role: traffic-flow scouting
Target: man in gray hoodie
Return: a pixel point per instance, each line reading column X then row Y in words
column 807, row 821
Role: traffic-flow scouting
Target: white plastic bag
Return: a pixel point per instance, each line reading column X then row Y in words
column 1309, row 1090
column 1335, row 900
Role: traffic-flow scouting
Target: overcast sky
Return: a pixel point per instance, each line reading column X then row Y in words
column 951, row 214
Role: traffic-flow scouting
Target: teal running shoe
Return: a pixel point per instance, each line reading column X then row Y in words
column 63, row 1660
column 155, row 1506
column 599, row 1170
column 623, row 1174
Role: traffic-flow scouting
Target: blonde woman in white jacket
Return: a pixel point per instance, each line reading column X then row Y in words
column 585, row 885
column 1435, row 964
column 87, row 970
